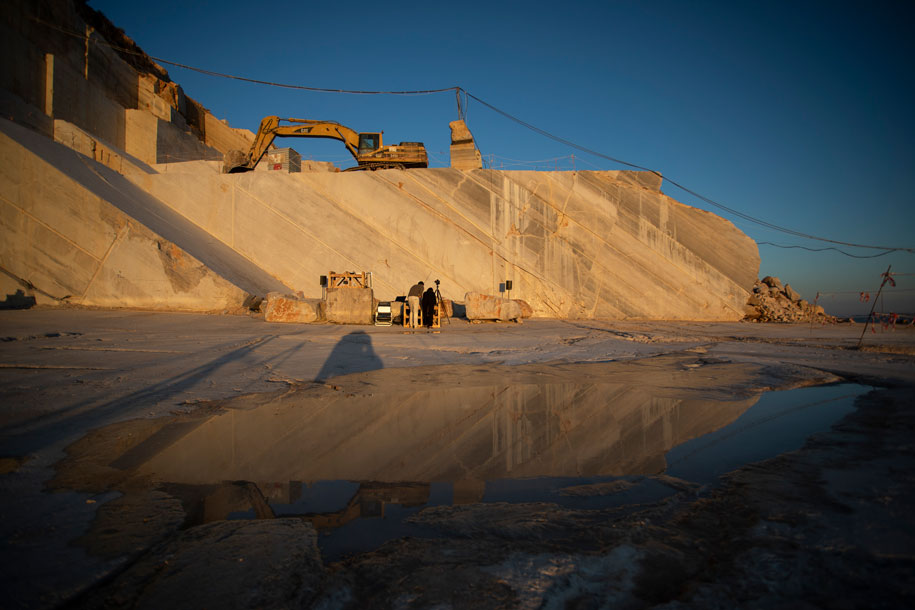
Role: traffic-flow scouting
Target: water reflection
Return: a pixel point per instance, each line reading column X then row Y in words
column 338, row 459
column 359, row 465
column 463, row 436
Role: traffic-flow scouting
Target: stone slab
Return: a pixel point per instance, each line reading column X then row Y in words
column 289, row 308
column 350, row 305
column 487, row 307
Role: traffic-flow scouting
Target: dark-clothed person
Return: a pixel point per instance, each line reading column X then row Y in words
column 428, row 305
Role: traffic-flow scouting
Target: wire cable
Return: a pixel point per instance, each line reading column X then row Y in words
column 769, row 243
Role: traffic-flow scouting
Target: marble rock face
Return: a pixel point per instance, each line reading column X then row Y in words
column 123, row 205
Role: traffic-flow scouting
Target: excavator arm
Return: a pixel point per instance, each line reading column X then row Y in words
column 237, row 161
column 367, row 148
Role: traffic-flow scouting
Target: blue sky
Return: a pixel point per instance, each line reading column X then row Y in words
column 796, row 113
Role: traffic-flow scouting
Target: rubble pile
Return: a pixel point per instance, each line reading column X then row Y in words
column 771, row 302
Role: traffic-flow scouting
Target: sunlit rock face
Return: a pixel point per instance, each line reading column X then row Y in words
column 573, row 244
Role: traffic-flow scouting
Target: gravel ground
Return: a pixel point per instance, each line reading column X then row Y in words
column 828, row 525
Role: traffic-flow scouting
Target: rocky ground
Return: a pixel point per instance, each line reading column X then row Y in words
column 89, row 396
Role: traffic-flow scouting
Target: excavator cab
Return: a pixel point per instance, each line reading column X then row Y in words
column 369, row 142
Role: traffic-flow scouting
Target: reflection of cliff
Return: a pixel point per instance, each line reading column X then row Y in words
column 458, row 434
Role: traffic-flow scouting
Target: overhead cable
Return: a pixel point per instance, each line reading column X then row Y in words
column 769, row 243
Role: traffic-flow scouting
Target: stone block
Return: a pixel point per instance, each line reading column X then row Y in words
column 15, row 108
column 318, row 166
column 222, row 137
column 149, row 100
column 73, row 137
column 464, row 153
column 751, row 313
column 465, row 157
column 350, row 305
column 526, row 310
column 791, row 293
column 397, row 312
column 174, row 144
column 140, row 132
column 75, row 100
column 460, row 134
column 486, row 307
column 290, row 308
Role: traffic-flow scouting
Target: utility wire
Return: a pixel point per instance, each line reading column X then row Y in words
column 463, row 109
column 769, row 243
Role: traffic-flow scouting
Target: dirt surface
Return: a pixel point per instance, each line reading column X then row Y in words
column 124, row 415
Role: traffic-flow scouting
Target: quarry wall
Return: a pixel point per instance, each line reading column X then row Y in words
column 63, row 239
column 573, row 244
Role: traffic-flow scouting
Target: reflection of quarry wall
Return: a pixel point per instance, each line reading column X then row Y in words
column 574, row 244
column 458, row 433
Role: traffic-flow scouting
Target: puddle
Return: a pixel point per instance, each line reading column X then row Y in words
column 779, row 422
column 359, row 465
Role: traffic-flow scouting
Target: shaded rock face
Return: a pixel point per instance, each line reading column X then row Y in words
column 770, row 302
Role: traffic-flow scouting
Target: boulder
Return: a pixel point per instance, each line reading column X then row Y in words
column 350, row 305
column 751, row 312
column 767, row 303
column 290, row 308
column 772, row 282
column 487, row 307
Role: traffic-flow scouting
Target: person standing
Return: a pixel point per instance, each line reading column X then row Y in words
column 428, row 305
column 413, row 301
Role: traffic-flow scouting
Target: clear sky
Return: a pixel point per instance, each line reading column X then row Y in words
column 796, row 113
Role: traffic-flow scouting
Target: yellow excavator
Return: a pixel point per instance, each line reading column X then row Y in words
column 366, row 148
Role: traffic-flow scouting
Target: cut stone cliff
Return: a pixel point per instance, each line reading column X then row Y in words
column 573, row 244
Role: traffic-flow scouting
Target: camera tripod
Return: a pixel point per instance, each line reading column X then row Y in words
column 439, row 302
